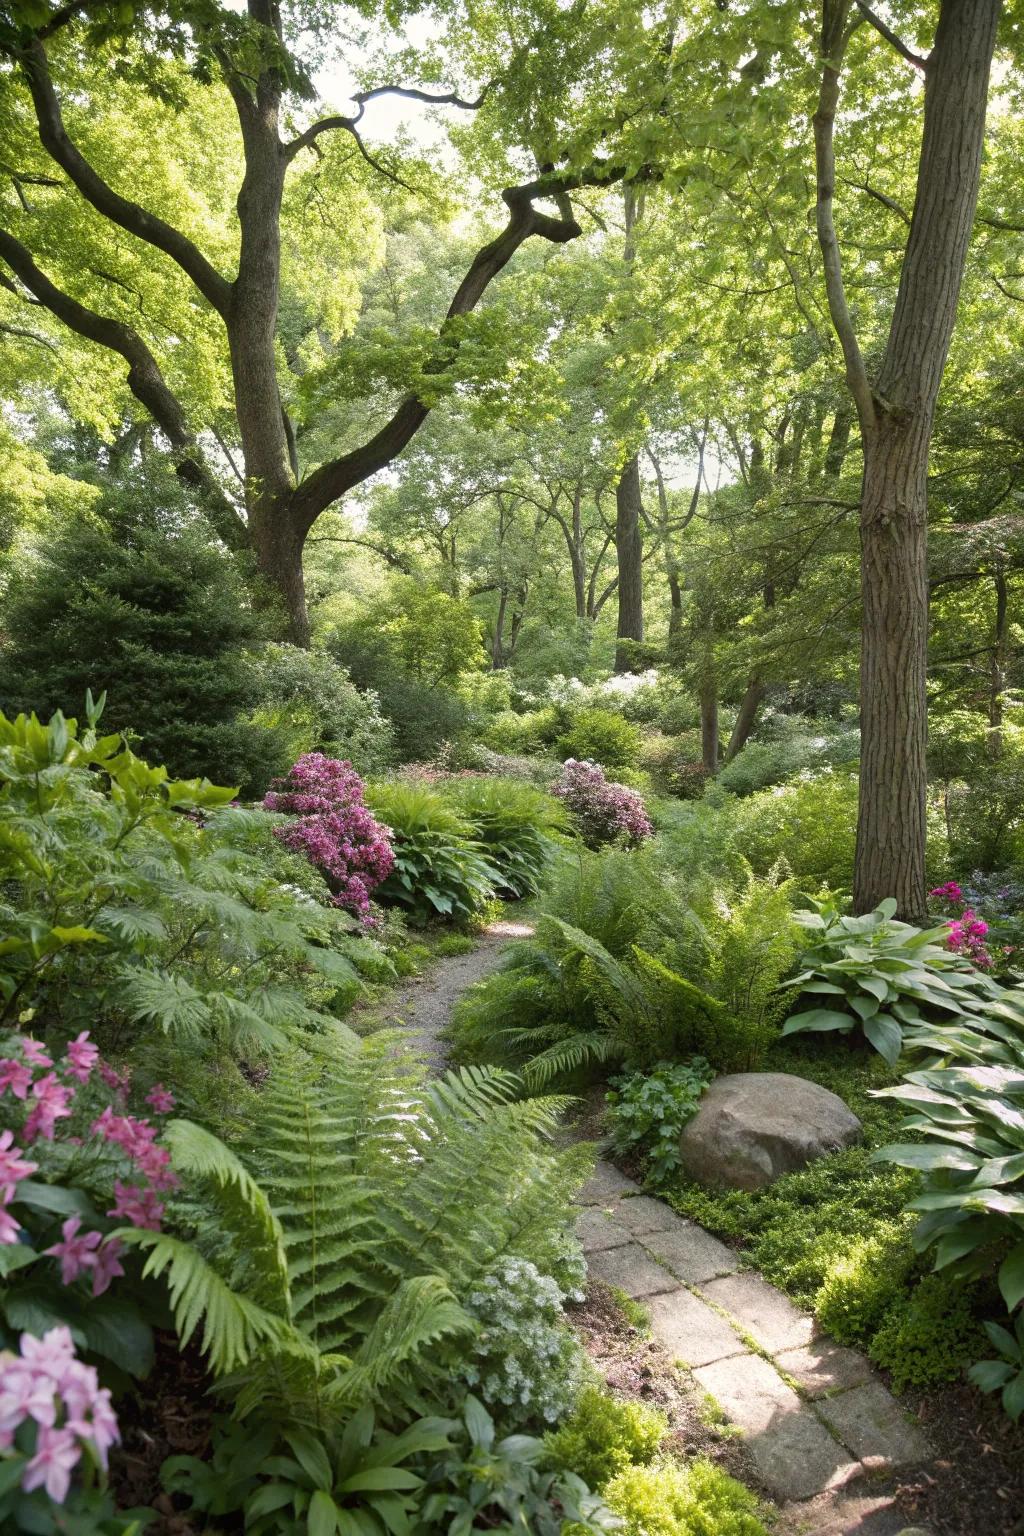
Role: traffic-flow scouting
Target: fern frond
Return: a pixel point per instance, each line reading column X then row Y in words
column 234, row 1328
column 420, row 1312
column 163, row 998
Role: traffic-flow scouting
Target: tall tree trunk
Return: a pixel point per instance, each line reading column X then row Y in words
column 709, row 721
column 749, row 706
column 498, row 643
column 629, row 550
column 895, row 416
column 997, row 675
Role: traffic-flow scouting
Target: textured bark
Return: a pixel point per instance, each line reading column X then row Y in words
column 709, row 722
column 895, row 415
column 629, row 552
column 749, row 706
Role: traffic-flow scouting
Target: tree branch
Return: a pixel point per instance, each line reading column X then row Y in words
column 880, row 197
column 891, row 38
column 308, row 140
column 432, row 98
column 326, row 484
column 120, row 210
column 145, row 381
column 835, row 35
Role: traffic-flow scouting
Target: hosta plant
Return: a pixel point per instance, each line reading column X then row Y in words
column 969, row 1121
column 440, row 868
column 513, row 823
column 878, row 976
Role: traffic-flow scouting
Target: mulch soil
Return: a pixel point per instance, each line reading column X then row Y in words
column 976, row 1485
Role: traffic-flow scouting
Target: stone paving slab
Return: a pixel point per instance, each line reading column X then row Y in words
column 605, row 1186
column 767, row 1315
column 596, row 1230
column 822, row 1367
column 691, row 1253
column 871, row 1422
column 645, row 1216
column 690, row 1330
column 632, row 1270
column 793, row 1451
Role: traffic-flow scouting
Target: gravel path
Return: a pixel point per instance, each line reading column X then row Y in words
column 423, row 1007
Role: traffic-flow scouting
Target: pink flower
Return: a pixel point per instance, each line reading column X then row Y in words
column 57, row 1455
column 75, row 1253
column 53, row 1104
column 107, row 1265
column 9, row 1228
column 25, row 1393
column 161, row 1099
column 116, row 1081
column 34, row 1052
column 139, row 1206
column 51, row 1354
column 101, row 1428
column 12, row 1167
column 82, row 1056
column 15, row 1076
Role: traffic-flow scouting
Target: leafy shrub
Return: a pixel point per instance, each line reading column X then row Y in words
column 604, row 812
column 333, row 828
column 678, row 712
column 999, row 899
column 138, row 600
column 309, row 704
column 168, row 918
column 604, row 1435
column 512, row 822
column 647, row 1111
column 440, row 870
column 424, row 718
column 524, row 734
column 930, row 1336
column 670, row 1500
column 525, row 1362
column 602, row 736
column 507, row 1485
column 883, row 972
column 530, row 770
column 985, row 815
column 862, row 1284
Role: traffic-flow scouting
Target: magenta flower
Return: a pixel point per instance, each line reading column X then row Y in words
column 106, row 1265
column 604, row 812
column 53, row 1099
column 57, row 1455
column 139, row 1206
column 117, row 1082
column 75, row 1253
column 333, row 828
column 161, row 1099
column 9, row 1228
column 82, row 1056
column 15, row 1076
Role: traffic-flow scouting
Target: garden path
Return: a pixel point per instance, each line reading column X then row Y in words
column 814, row 1416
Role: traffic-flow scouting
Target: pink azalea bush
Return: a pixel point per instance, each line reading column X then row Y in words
column 52, row 1411
column 604, row 812
column 37, row 1094
column 333, row 827
column 966, row 932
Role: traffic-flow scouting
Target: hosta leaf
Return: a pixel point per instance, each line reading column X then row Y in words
column 818, row 1018
column 1011, row 1277
column 885, row 1035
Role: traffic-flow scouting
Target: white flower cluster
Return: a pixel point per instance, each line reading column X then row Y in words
column 526, row 1359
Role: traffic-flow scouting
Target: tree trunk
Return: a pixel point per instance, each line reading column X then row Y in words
column 709, row 722
column 895, row 415
column 749, row 706
column 278, row 546
column 997, row 675
column 629, row 552
column 498, row 643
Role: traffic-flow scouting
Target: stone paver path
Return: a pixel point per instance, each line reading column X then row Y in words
column 814, row 1416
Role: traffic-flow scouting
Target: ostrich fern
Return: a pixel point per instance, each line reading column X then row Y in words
column 329, row 1261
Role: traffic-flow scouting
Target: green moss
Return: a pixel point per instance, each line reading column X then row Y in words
column 670, row 1500
column 863, row 1284
column 454, row 944
column 634, row 1312
column 603, row 1436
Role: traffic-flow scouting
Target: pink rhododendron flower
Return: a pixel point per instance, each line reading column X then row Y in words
column 57, row 1455
column 161, row 1099
column 75, row 1253
column 9, row 1228
column 950, row 892
column 333, row 828
column 15, row 1076
column 606, row 813
column 53, row 1100
column 82, row 1056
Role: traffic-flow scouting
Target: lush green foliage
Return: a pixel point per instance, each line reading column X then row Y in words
column 513, row 823
column 672, row 1500
column 604, row 1435
column 440, row 868
column 647, row 1111
column 310, row 705
column 601, row 736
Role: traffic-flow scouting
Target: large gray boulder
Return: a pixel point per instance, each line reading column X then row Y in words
column 752, row 1127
